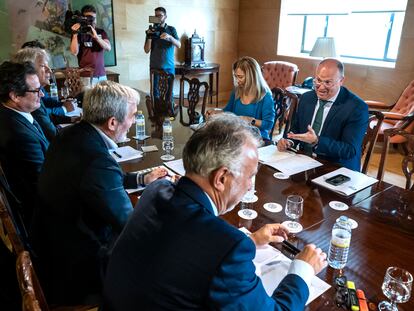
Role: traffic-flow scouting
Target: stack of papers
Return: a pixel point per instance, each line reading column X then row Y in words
column 289, row 163
column 272, row 266
column 75, row 113
column 177, row 166
column 125, row 153
column 357, row 182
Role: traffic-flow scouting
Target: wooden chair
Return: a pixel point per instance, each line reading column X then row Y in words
column 15, row 232
column 374, row 125
column 197, row 93
column 74, row 79
column 31, row 291
column 280, row 74
column 288, row 103
column 279, row 100
column 407, row 164
column 163, row 103
column 398, row 116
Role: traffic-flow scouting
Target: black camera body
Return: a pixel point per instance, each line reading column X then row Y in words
column 72, row 18
column 155, row 30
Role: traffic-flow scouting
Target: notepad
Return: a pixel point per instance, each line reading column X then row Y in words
column 272, row 266
column 357, row 182
column 125, row 153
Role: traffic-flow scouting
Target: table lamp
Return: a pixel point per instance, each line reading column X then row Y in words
column 324, row 47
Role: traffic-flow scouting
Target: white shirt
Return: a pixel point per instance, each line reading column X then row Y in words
column 110, row 144
column 326, row 109
column 298, row 267
column 26, row 115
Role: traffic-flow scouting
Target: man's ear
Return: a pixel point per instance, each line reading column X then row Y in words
column 13, row 96
column 220, row 178
column 111, row 124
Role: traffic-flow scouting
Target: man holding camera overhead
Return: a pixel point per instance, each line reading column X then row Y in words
column 89, row 43
column 160, row 40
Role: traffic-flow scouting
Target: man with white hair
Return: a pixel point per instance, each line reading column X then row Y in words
column 176, row 254
column 83, row 204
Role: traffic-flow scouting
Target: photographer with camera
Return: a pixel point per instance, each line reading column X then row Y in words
column 88, row 43
column 160, row 40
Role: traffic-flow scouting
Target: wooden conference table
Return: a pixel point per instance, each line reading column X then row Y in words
column 384, row 213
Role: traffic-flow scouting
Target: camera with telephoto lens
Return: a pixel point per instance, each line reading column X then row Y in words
column 155, row 30
column 72, row 18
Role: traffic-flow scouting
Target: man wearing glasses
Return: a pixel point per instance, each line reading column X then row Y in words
column 22, row 142
column 160, row 40
column 330, row 121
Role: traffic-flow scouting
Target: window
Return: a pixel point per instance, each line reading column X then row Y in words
column 366, row 30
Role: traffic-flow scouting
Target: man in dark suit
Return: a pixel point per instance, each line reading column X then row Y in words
column 84, row 205
column 176, row 254
column 330, row 121
column 22, row 142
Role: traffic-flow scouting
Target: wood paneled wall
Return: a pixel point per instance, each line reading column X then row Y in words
column 258, row 33
column 216, row 21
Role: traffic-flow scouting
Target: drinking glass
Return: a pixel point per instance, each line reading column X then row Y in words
column 64, row 91
column 248, row 199
column 167, row 146
column 293, row 210
column 396, row 287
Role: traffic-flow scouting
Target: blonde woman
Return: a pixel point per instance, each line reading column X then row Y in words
column 251, row 98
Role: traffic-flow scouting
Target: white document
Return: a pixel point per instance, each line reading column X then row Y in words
column 272, row 266
column 125, row 153
column 177, row 166
column 75, row 113
column 149, row 148
column 289, row 163
column 148, row 170
column 357, row 182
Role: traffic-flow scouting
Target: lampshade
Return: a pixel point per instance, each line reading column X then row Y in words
column 324, row 47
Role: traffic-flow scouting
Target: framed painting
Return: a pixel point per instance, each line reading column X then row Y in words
column 43, row 20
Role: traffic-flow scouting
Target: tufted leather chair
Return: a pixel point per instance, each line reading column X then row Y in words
column 279, row 74
column 400, row 115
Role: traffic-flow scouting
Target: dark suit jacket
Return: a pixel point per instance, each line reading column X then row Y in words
column 83, row 208
column 342, row 133
column 22, row 152
column 42, row 117
column 175, row 254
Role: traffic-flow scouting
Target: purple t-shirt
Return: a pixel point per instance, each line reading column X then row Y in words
column 91, row 54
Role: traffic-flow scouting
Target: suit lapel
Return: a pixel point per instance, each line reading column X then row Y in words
column 308, row 115
column 336, row 108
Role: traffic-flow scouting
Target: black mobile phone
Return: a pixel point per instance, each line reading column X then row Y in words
column 337, row 180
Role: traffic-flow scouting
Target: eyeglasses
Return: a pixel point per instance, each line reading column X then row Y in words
column 326, row 83
column 38, row 91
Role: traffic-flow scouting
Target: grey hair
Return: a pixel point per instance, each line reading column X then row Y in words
column 30, row 55
column 219, row 144
column 108, row 99
column 336, row 62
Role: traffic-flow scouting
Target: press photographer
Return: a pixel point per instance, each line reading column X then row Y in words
column 88, row 43
column 160, row 41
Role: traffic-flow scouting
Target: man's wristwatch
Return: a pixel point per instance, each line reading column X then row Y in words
column 253, row 122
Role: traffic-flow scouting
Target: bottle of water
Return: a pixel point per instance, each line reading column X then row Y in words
column 340, row 243
column 167, row 140
column 54, row 91
column 140, row 125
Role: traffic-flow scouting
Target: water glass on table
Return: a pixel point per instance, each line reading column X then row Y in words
column 396, row 287
column 294, row 210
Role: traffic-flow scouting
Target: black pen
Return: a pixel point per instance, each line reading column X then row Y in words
column 117, row 154
column 292, row 149
column 292, row 248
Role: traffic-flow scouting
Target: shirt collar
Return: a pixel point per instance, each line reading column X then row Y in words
column 333, row 98
column 212, row 205
column 26, row 115
column 110, row 144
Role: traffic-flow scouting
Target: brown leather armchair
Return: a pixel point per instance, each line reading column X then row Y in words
column 279, row 74
column 399, row 116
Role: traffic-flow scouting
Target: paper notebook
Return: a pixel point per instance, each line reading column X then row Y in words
column 357, row 182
